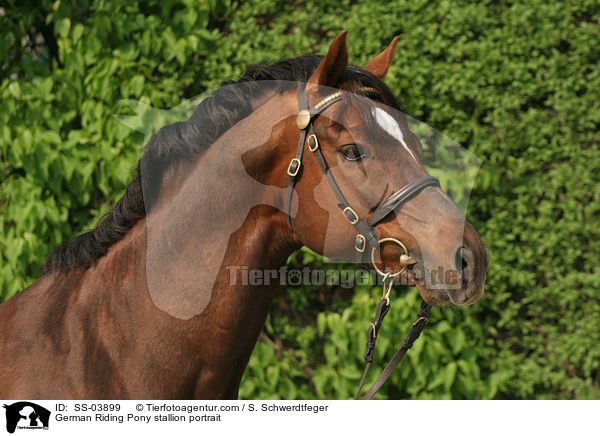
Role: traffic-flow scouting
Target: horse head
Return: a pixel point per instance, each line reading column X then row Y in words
column 367, row 191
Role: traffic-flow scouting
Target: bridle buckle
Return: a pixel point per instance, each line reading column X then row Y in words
column 313, row 143
column 360, row 243
column 294, row 167
column 350, row 215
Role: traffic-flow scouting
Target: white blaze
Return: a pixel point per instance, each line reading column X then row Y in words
column 390, row 125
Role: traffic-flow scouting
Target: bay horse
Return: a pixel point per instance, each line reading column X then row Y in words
column 95, row 326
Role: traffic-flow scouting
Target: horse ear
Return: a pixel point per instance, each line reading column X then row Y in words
column 333, row 64
column 380, row 63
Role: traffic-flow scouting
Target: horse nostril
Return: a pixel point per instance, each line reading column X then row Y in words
column 464, row 265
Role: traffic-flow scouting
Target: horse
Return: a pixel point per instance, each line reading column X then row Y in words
column 129, row 311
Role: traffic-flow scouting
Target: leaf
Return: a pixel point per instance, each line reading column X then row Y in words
column 136, row 84
column 449, row 375
column 457, row 340
column 62, row 27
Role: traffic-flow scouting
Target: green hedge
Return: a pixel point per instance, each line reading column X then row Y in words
column 515, row 82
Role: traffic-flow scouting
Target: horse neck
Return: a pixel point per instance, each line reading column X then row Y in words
column 234, row 225
column 234, row 318
column 201, row 215
column 207, row 353
column 178, row 277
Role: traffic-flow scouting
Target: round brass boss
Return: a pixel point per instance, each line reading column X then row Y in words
column 302, row 119
column 406, row 260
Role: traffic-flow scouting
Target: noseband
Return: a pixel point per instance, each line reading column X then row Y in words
column 366, row 229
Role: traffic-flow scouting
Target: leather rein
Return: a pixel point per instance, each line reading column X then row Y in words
column 366, row 234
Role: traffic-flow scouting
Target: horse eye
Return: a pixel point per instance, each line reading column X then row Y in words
column 353, row 152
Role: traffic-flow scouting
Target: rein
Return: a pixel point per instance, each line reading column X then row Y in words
column 366, row 231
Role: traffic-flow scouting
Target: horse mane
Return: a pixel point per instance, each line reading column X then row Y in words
column 174, row 143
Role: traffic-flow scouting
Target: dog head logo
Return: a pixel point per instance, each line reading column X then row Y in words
column 26, row 415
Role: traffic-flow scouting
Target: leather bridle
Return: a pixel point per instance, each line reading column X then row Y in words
column 366, row 234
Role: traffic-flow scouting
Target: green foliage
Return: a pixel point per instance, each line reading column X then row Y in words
column 514, row 82
column 326, row 361
column 65, row 158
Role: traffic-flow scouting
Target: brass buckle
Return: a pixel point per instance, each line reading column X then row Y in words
column 316, row 143
column 360, row 243
column 293, row 172
column 354, row 219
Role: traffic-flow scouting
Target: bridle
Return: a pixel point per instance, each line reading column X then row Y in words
column 366, row 229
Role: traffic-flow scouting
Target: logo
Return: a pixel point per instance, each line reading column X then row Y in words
column 26, row 415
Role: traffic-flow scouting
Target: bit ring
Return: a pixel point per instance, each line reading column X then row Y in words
column 381, row 273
